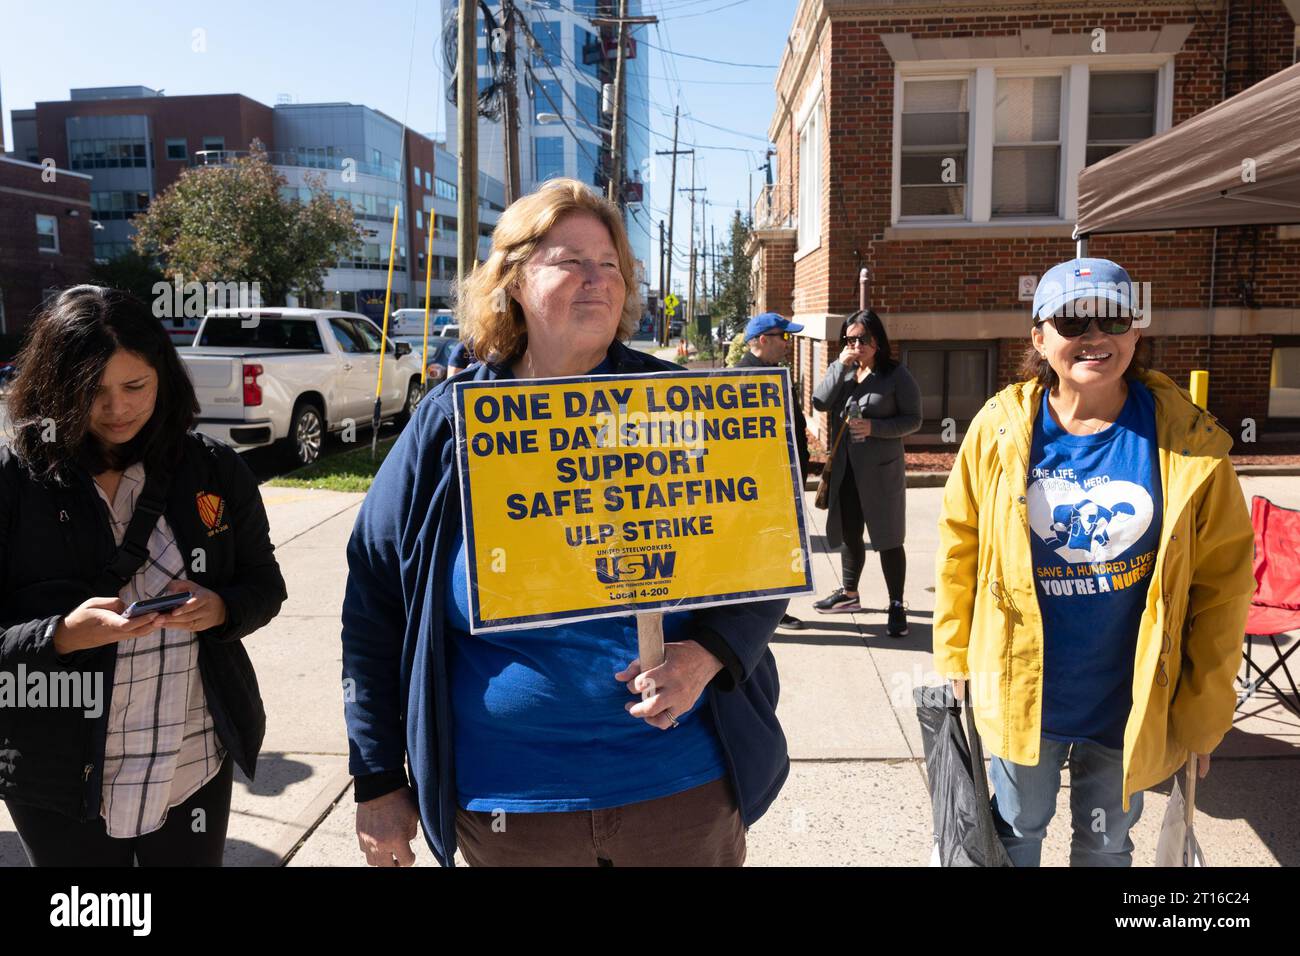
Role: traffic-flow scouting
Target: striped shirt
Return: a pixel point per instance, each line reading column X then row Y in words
column 161, row 745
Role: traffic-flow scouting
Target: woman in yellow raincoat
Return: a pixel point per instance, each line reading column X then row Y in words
column 1093, row 574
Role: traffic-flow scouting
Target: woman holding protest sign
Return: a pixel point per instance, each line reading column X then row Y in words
column 534, row 746
column 871, row 402
column 110, row 506
column 1093, row 576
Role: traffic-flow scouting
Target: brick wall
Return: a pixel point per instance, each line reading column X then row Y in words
column 25, row 270
column 1252, row 266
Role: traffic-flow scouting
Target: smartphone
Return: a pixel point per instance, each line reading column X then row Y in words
column 164, row 603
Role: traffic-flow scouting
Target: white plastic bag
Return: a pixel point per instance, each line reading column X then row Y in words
column 1177, row 845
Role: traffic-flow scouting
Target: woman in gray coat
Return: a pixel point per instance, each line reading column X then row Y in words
column 877, row 400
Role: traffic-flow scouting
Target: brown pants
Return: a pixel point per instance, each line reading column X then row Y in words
column 697, row 827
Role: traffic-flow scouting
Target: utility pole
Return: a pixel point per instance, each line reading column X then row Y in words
column 467, row 141
column 690, row 308
column 618, row 131
column 508, row 76
column 660, row 317
column 714, row 244
column 672, row 205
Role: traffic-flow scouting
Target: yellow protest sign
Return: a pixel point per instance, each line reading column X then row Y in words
column 597, row 496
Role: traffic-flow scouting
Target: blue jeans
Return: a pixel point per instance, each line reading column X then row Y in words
column 1024, row 801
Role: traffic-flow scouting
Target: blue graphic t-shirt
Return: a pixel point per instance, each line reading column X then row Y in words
column 540, row 724
column 1095, row 506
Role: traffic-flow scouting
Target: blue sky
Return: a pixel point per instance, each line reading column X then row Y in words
column 328, row 50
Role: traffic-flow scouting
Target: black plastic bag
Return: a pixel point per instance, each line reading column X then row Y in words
column 959, row 790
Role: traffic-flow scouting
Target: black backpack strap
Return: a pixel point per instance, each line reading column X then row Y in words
column 150, row 505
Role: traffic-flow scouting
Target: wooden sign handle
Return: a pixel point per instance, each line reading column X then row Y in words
column 650, row 641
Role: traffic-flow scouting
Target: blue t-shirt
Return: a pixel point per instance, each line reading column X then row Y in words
column 1095, row 506
column 540, row 724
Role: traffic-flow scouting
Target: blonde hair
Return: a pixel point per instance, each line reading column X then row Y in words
column 486, row 311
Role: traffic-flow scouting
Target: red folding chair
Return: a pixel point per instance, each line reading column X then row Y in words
column 1275, row 608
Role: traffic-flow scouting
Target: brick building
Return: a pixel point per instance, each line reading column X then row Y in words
column 45, row 237
column 132, row 143
column 939, row 146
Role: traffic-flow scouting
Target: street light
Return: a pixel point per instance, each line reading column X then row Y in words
column 545, row 119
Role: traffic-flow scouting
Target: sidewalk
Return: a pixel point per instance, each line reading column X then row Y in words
column 856, row 793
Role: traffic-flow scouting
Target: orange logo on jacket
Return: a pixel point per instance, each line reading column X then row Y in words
column 212, row 509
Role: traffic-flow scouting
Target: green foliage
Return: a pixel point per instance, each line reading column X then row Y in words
column 231, row 224
column 732, row 305
column 130, row 272
column 736, row 351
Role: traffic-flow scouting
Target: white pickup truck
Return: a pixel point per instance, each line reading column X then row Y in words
column 292, row 375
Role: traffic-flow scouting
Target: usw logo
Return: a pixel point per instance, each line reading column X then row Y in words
column 654, row 565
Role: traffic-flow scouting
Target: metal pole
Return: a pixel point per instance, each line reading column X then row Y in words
column 467, row 136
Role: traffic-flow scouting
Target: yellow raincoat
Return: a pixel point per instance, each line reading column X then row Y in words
column 987, row 624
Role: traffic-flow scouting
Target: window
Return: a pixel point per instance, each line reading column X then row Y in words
column 548, row 157
column 376, row 157
column 1284, row 380
column 548, row 97
column 954, row 380
column 589, row 104
column 1121, row 111
column 214, row 143
column 587, row 166
column 1026, row 146
column 588, row 52
column 120, row 153
column 346, row 335
column 548, row 38
column 416, row 172
column 810, row 179
column 47, row 233
column 935, row 127
column 176, row 149
column 428, row 180
column 419, row 219
column 444, row 189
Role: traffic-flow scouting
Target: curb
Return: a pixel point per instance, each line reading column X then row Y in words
column 1277, row 471
column 937, row 479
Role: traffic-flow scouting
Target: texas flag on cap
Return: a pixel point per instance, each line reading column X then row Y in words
column 1083, row 272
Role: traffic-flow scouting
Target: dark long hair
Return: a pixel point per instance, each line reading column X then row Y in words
column 59, row 371
column 885, row 361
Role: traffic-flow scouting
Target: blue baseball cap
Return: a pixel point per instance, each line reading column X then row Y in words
column 1082, row 279
column 769, row 322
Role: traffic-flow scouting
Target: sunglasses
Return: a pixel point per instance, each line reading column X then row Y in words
column 1072, row 326
column 862, row 340
column 783, row 336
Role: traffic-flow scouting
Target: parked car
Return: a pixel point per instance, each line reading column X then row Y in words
column 440, row 347
column 293, row 376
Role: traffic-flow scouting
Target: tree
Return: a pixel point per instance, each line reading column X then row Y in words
column 231, row 224
column 732, row 305
column 130, row 272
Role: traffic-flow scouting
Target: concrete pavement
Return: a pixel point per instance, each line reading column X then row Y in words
column 856, row 793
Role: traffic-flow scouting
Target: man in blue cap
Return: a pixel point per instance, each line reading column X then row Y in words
column 768, row 338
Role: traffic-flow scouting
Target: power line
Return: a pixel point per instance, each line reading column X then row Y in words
column 691, row 56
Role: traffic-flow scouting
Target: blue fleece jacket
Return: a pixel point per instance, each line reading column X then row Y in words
column 395, row 651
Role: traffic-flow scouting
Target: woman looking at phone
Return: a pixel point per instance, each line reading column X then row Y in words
column 108, row 499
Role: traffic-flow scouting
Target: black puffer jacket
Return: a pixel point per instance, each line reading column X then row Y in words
column 56, row 540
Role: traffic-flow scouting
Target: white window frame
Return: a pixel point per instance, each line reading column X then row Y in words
column 981, row 78
column 1062, row 139
column 898, row 145
column 219, row 140
column 808, row 219
column 54, row 221
column 174, row 141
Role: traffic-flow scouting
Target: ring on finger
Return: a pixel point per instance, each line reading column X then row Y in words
column 669, row 714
